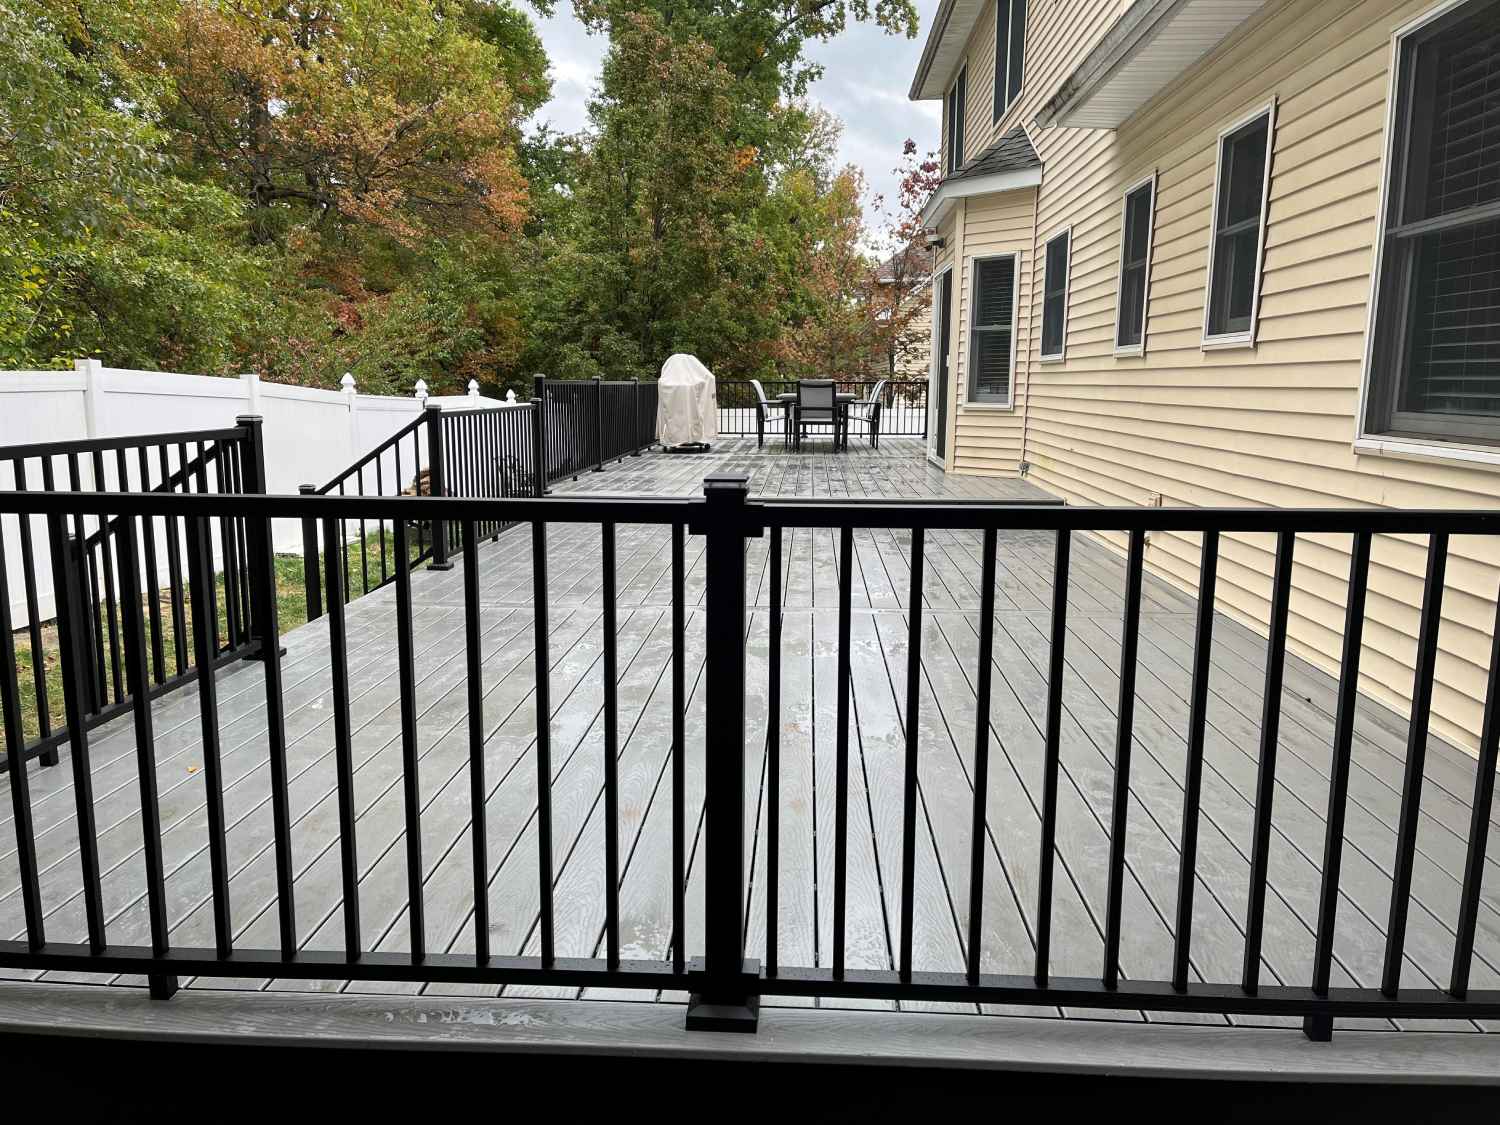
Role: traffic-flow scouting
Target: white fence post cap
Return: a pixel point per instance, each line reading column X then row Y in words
column 347, row 382
column 473, row 388
column 421, row 391
column 510, row 396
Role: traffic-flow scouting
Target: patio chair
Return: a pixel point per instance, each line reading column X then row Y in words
column 817, row 405
column 867, row 412
column 768, row 414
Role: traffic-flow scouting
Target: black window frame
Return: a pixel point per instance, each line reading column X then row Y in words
column 1011, row 330
column 1010, row 54
column 1130, row 265
column 1231, row 333
column 956, row 105
column 1052, row 292
column 1388, row 364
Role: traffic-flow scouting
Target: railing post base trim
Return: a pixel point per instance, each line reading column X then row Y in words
column 737, row 1009
column 1318, row 1028
column 163, row 986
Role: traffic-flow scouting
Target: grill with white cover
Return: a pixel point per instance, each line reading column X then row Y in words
column 687, row 408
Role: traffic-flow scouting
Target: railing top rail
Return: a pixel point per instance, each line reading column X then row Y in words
column 1044, row 516
column 1039, row 515
column 124, row 441
column 380, row 449
column 554, row 509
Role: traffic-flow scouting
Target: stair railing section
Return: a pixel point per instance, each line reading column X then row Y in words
column 401, row 465
column 739, row 769
column 78, row 563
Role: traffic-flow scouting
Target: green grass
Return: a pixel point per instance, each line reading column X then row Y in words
column 291, row 611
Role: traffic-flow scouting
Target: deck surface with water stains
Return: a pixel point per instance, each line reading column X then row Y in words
column 945, row 720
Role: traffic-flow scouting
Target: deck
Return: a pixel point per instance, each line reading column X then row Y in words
column 946, row 719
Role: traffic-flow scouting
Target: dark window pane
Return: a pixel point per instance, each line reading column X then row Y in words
column 991, row 366
column 1017, row 45
column 1054, row 303
column 1244, row 174
column 1137, row 224
column 1132, row 306
column 1455, row 339
column 958, row 118
column 1002, row 40
column 995, row 295
column 1234, row 282
column 1462, row 166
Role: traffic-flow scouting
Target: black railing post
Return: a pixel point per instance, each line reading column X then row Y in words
column 637, row 434
column 261, row 553
column 311, row 581
column 724, row 990
column 926, row 407
column 598, row 424
column 539, row 431
column 436, row 485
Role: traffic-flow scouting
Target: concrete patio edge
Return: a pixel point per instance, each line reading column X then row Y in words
column 831, row 1037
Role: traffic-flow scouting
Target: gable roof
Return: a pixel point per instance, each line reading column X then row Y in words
column 1009, row 163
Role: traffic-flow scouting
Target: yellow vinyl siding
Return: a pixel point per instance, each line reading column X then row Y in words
column 986, row 439
column 1269, row 425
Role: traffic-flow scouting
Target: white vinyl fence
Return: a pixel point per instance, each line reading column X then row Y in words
column 310, row 434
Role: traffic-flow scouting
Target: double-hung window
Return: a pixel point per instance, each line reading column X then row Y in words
column 992, row 330
column 1010, row 53
column 957, row 95
column 1135, row 267
column 1239, row 228
column 1055, row 297
column 1434, row 358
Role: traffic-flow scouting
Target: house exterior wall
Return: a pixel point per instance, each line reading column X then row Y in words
column 1272, row 424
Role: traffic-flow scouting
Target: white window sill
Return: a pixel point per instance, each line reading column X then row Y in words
column 987, row 405
column 1051, row 358
column 1439, row 452
column 1135, row 352
column 1224, row 343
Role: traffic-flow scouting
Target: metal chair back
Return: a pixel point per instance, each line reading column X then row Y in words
column 815, row 400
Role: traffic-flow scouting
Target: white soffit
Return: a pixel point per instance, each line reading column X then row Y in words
column 944, row 50
column 1150, row 46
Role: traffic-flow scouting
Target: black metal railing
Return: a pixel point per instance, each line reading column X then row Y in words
column 903, row 403
column 83, row 556
column 726, row 986
column 586, row 423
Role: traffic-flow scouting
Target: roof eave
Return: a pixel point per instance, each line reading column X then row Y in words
column 1143, row 53
column 952, row 191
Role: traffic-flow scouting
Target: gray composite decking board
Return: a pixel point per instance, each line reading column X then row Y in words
column 880, row 596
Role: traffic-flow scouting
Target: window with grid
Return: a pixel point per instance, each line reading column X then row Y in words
column 992, row 329
column 1435, row 357
column 956, row 99
column 1055, row 298
column 1010, row 52
column 1239, row 221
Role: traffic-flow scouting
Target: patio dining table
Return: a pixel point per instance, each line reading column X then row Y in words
column 842, row 399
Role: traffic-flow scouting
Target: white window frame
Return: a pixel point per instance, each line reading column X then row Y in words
column 1366, row 441
column 1002, row 104
column 1245, row 339
column 967, row 401
column 1055, row 357
column 933, row 361
column 1140, row 348
column 951, row 131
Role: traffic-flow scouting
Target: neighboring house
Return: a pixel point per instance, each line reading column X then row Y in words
column 905, row 275
column 1231, row 252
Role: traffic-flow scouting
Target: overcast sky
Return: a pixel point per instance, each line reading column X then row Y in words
column 866, row 74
